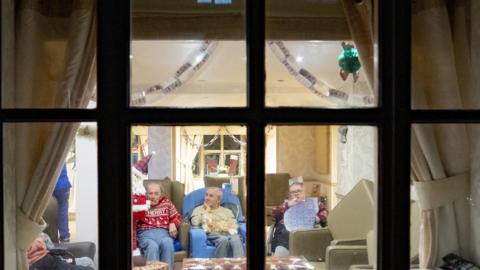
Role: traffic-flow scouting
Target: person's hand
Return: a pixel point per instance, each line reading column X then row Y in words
column 207, row 208
column 291, row 202
column 317, row 219
column 172, row 229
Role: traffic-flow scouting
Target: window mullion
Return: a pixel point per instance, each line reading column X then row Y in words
column 393, row 223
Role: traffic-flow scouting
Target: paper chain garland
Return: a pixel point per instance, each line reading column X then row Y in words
column 307, row 79
column 194, row 63
column 198, row 59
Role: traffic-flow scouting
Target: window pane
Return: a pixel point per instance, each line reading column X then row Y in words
column 445, row 69
column 319, row 54
column 176, row 159
column 445, row 195
column 212, row 142
column 231, row 142
column 54, row 171
column 320, row 196
column 53, row 56
column 188, row 54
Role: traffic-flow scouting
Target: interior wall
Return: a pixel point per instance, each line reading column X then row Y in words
column 160, row 145
column 357, row 158
column 304, row 151
column 86, row 181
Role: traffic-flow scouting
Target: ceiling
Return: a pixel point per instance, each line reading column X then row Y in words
column 222, row 80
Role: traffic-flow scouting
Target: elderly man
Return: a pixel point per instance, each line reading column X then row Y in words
column 155, row 232
column 220, row 225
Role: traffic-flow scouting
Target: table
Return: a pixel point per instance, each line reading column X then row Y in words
column 152, row 265
column 273, row 263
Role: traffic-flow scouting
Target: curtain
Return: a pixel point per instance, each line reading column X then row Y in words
column 444, row 76
column 359, row 15
column 190, row 144
column 55, row 68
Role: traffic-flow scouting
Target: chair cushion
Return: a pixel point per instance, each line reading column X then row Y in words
column 357, row 207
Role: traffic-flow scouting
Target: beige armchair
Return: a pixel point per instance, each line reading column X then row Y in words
column 175, row 191
column 414, row 241
column 343, row 243
column 276, row 190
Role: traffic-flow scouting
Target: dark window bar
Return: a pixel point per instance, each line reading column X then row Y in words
column 393, row 197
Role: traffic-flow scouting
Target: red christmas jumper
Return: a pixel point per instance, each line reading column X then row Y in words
column 160, row 216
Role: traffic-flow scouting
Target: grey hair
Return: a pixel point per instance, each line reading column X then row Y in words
column 154, row 183
column 220, row 192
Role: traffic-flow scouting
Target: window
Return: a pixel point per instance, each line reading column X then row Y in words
column 114, row 118
column 216, row 155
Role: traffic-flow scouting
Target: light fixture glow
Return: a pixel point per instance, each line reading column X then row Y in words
column 299, row 59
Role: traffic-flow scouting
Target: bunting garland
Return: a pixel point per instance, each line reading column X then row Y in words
column 307, row 79
column 186, row 71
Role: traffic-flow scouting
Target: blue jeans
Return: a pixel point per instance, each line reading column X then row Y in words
column 227, row 245
column 62, row 215
column 156, row 245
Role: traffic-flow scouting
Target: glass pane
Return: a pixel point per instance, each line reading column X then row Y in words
column 53, row 55
column 212, row 142
column 177, row 166
column 188, row 54
column 445, row 64
column 445, row 196
column 212, row 165
column 60, row 180
column 232, row 164
column 319, row 54
column 319, row 191
column 231, row 142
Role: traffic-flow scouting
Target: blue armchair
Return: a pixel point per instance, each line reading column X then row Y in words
column 200, row 247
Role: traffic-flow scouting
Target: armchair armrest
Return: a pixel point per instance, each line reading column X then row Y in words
column 242, row 230
column 310, row 243
column 80, row 249
column 342, row 257
column 198, row 243
column 183, row 230
column 361, row 267
column 349, row 242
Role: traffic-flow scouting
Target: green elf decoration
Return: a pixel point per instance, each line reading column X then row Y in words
column 349, row 62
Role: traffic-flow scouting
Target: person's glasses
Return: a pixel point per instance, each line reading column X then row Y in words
column 295, row 192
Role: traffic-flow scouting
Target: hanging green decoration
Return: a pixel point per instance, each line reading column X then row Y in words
column 349, row 62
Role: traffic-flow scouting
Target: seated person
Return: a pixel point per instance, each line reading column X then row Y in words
column 155, row 232
column 39, row 258
column 220, row 225
column 296, row 195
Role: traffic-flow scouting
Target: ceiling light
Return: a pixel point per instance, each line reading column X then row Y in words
column 299, row 59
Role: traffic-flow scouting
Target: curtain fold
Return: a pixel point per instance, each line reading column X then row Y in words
column 55, row 68
column 190, row 146
column 442, row 78
column 360, row 14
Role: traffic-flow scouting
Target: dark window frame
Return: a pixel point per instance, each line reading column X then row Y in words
column 114, row 118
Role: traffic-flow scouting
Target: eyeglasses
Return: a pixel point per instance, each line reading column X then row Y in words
column 294, row 192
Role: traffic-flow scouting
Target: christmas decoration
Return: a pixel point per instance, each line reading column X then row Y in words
column 349, row 62
column 140, row 206
column 194, row 63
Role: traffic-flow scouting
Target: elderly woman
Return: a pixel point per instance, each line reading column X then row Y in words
column 296, row 194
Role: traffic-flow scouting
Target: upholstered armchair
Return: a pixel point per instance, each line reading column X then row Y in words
column 218, row 181
column 200, row 247
column 343, row 242
column 78, row 249
column 175, row 191
column 276, row 191
column 414, row 242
